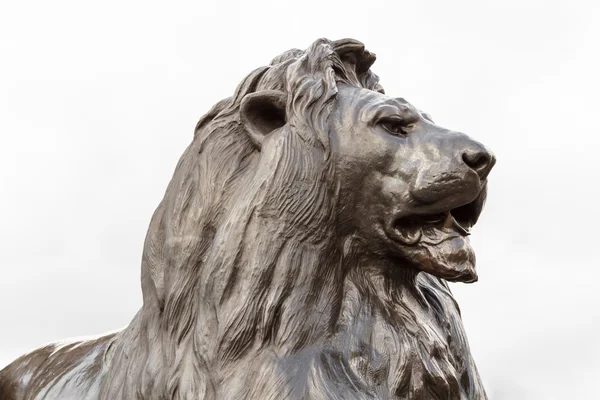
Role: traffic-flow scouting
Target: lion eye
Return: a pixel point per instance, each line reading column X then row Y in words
column 395, row 127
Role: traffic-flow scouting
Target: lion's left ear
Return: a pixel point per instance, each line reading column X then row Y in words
column 263, row 112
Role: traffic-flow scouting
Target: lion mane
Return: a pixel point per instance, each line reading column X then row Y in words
column 242, row 272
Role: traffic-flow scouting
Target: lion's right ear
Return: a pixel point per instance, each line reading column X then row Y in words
column 263, row 112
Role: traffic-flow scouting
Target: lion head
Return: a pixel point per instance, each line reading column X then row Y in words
column 408, row 190
column 308, row 177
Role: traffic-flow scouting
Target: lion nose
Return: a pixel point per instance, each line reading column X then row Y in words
column 479, row 159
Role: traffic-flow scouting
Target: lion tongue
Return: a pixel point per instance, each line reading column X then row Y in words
column 432, row 233
column 444, row 230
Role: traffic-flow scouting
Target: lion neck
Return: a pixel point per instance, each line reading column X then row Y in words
column 393, row 328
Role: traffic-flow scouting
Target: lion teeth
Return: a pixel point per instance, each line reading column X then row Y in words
column 460, row 228
column 449, row 221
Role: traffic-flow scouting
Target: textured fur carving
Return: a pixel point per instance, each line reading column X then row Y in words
column 249, row 288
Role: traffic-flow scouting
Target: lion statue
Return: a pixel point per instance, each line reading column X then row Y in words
column 301, row 251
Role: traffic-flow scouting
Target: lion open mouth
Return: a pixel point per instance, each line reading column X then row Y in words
column 436, row 227
column 438, row 243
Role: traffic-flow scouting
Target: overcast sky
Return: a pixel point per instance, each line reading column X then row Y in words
column 98, row 102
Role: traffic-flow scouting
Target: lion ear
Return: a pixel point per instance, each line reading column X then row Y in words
column 263, row 112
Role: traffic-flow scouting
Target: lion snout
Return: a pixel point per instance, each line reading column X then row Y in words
column 478, row 158
column 454, row 188
column 455, row 174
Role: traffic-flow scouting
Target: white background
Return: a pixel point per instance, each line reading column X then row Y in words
column 98, row 101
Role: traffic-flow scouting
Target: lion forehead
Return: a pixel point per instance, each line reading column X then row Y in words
column 356, row 104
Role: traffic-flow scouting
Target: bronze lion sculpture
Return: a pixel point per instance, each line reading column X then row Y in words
column 301, row 251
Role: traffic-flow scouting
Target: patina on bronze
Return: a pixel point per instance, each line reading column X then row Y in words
column 301, row 251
